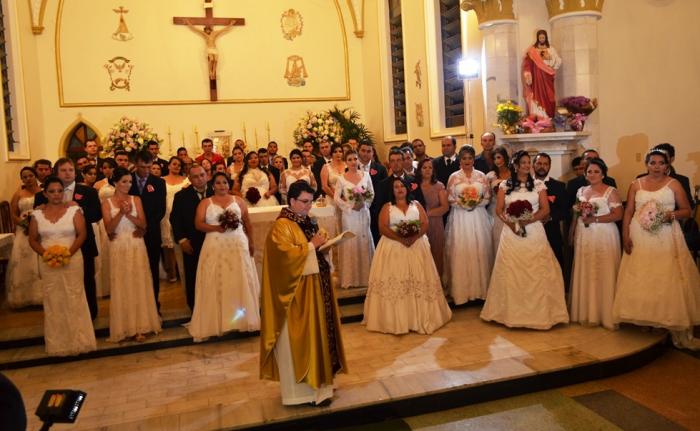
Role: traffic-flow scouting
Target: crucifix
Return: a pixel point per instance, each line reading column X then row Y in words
column 210, row 35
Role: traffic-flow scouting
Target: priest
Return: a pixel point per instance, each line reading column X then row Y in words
column 300, row 341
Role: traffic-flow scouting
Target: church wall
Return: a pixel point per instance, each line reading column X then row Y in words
column 48, row 120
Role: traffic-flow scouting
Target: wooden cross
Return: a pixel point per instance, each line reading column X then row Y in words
column 210, row 35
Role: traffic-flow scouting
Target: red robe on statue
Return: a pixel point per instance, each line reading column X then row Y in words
column 539, row 93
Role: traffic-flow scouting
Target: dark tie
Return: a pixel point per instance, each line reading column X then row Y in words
column 448, row 162
column 142, row 182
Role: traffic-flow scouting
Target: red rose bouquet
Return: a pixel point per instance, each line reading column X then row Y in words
column 252, row 195
column 519, row 211
column 406, row 229
column 229, row 220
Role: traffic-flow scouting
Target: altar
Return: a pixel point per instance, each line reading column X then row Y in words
column 562, row 147
column 262, row 219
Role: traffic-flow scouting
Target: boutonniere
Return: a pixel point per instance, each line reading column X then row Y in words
column 414, row 186
column 551, row 198
column 372, row 171
column 150, row 188
column 77, row 196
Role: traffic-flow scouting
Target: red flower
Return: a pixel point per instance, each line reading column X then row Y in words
column 252, row 195
column 414, row 186
column 77, row 196
column 150, row 188
column 551, row 198
column 518, row 208
column 373, row 172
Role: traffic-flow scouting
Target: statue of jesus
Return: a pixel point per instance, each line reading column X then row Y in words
column 210, row 37
column 539, row 69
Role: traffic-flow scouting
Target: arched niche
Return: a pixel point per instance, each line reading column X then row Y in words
column 76, row 135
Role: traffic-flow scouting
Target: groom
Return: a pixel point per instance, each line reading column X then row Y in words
column 182, row 220
column 151, row 190
column 86, row 198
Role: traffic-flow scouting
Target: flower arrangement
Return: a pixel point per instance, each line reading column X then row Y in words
column 651, row 216
column 352, row 128
column 317, row 126
column 519, row 211
column 56, row 256
column 585, row 209
column 536, row 125
column 508, row 114
column 407, row 229
column 577, row 109
column 469, row 198
column 358, row 194
column 252, row 195
column 129, row 135
column 229, row 220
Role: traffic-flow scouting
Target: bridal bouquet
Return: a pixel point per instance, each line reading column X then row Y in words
column 229, row 220
column 253, row 195
column 469, row 198
column 25, row 218
column 519, row 211
column 317, row 126
column 56, row 256
column 406, row 229
column 358, row 194
column 585, row 209
column 651, row 216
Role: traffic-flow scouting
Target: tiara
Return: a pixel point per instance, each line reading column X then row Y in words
column 657, row 150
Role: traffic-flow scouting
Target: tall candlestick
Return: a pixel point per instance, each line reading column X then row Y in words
column 196, row 135
column 256, row 138
column 245, row 135
column 170, row 142
column 267, row 126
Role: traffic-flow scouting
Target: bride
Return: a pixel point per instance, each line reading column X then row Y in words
column 257, row 186
column 227, row 289
column 295, row 173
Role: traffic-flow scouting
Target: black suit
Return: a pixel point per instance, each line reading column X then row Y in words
column 558, row 211
column 382, row 195
column 316, row 170
column 153, row 201
column 87, row 199
column 182, row 220
column 377, row 173
column 480, row 164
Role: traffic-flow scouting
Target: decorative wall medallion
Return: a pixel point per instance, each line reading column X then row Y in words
column 291, row 23
column 295, row 72
column 122, row 34
column 416, row 70
column 119, row 69
column 419, row 114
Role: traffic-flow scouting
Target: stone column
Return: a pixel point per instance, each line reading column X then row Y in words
column 574, row 34
column 500, row 60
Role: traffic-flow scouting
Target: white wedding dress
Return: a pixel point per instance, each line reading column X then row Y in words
column 355, row 254
column 526, row 287
column 468, row 240
column 258, row 179
column 658, row 283
column 102, row 241
column 596, row 262
column 290, row 176
column 68, row 327
column 227, row 293
column 132, row 304
column 404, row 292
column 22, row 277
column 166, row 231
column 497, row 223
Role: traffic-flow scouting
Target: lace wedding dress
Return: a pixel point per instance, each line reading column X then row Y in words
column 132, row 304
column 227, row 293
column 68, row 327
column 22, row 277
column 102, row 241
column 658, row 283
column 526, row 287
column 468, row 240
column 404, row 292
column 596, row 262
column 258, row 179
column 355, row 254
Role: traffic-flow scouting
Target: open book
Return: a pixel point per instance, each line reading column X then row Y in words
column 343, row 236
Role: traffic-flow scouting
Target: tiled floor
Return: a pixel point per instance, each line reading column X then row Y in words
column 216, row 385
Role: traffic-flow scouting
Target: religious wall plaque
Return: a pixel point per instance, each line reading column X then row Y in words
column 292, row 24
column 119, row 69
column 295, row 73
column 122, row 34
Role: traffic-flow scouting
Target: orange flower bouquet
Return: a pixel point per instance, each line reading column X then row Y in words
column 56, row 256
column 469, row 198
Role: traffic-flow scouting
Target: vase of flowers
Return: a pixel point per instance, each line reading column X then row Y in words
column 129, row 135
column 316, row 127
column 508, row 115
column 577, row 109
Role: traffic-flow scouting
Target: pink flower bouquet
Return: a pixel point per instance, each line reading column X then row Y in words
column 585, row 209
column 651, row 216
